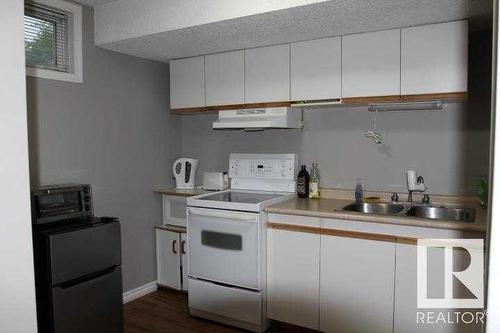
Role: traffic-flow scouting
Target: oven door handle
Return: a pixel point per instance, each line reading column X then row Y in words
column 223, row 215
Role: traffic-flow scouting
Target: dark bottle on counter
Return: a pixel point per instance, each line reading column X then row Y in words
column 303, row 183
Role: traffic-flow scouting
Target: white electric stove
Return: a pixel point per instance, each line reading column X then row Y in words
column 227, row 237
column 241, row 200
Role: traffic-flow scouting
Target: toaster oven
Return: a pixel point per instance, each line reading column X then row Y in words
column 53, row 203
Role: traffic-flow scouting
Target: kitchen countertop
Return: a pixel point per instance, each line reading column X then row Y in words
column 178, row 192
column 330, row 208
column 170, row 227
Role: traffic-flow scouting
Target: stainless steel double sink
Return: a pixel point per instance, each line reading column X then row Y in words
column 458, row 214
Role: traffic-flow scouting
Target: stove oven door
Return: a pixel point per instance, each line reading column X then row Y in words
column 224, row 246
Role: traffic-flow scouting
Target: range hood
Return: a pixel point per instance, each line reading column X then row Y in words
column 259, row 119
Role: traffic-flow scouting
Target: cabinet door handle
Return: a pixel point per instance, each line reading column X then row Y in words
column 183, row 247
column 174, row 243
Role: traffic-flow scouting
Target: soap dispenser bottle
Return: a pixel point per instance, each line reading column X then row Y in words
column 358, row 192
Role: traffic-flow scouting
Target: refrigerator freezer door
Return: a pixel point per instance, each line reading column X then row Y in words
column 91, row 306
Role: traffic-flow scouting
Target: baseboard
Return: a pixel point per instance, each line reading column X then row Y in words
column 139, row 291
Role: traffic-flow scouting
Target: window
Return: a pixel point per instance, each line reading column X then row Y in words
column 52, row 40
column 45, row 38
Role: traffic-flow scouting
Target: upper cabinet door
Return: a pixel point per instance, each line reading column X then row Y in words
column 434, row 58
column 267, row 74
column 187, row 83
column 371, row 64
column 225, row 78
column 316, row 69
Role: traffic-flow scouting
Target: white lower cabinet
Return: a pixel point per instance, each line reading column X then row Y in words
column 410, row 319
column 171, row 256
column 293, row 277
column 359, row 280
column 356, row 285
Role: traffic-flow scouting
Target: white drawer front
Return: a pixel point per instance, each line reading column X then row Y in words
column 308, row 221
column 224, row 301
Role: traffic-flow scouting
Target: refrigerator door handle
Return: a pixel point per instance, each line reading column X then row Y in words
column 86, row 278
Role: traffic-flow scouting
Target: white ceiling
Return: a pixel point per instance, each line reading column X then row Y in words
column 94, row 3
column 321, row 19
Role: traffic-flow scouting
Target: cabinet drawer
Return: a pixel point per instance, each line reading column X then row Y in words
column 224, row 301
column 308, row 221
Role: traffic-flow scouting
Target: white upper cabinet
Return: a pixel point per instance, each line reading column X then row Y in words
column 434, row 58
column 267, row 74
column 225, row 78
column 418, row 60
column 187, row 83
column 316, row 69
column 371, row 64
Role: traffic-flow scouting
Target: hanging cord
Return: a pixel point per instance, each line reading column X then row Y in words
column 373, row 134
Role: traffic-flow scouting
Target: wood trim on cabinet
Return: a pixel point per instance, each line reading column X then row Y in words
column 407, row 240
column 447, row 97
column 216, row 108
column 249, row 106
column 370, row 99
column 173, row 228
column 294, row 227
column 359, row 235
column 196, row 110
column 343, row 233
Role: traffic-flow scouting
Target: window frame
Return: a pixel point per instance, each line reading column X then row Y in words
column 75, row 73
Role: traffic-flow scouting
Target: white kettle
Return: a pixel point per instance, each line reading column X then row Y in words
column 185, row 173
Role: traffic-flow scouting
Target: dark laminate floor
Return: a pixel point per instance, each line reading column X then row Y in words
column 167, row 311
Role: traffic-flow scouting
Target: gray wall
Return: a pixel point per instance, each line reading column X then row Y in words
column 113, row 131
column 436, row 144
column 448, row 148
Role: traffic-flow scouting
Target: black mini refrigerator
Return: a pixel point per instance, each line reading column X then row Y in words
column 78, row 276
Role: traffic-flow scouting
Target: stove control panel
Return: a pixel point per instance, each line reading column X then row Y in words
column 263, row 166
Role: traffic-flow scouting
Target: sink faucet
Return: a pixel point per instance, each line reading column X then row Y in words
column 415, row 184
